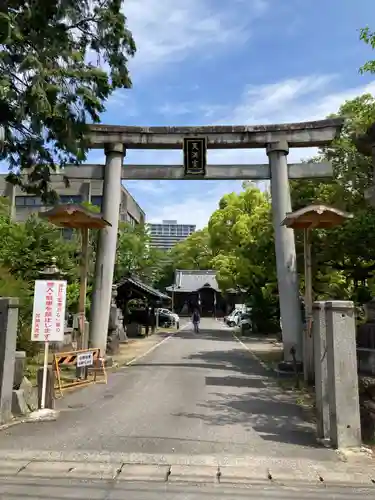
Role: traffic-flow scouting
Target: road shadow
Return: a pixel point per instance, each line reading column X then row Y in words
column 234, row 360
column 238, row 360
column 206, row 334
column 243, row 392
column 272, row 412
column 234, row 382
column 273, row 416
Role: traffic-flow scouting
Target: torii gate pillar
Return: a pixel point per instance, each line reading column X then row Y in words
column 106, row 251
column 286, row 261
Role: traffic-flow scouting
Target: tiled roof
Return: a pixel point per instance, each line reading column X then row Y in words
column 132, row 281
column 191, row 281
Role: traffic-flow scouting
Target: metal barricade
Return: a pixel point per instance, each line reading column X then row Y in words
column 85, row 358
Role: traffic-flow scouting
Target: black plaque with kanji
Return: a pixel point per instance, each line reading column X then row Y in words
column 195, row 157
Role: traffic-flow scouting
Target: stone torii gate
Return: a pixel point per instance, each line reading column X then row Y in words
column 276, row 139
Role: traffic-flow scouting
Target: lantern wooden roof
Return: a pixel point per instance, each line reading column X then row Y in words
column 74, row 217
column 315, row 216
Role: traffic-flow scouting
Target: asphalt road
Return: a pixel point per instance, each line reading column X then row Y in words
column 194, row 394
column 199, row 398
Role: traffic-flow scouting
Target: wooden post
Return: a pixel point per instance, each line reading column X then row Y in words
column 83, row 343
column 49, row 401
column 308, row 360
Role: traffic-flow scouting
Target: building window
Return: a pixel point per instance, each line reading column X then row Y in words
column 68, row 199
column 28, row 201
column 97, row 201
column 133, row 222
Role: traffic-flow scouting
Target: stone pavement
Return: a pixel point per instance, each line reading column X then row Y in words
column 173, row 468
column 92, row 489
column 189, row 406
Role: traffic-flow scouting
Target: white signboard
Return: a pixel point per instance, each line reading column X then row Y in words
column 49, row 311
column 85, row 359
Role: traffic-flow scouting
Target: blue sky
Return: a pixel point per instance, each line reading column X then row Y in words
column 234, row 62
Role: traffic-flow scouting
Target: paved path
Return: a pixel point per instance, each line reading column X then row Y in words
column 200, row 400
column 194, row 394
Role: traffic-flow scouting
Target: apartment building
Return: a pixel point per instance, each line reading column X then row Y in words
column 78, row 191
column 166, row 234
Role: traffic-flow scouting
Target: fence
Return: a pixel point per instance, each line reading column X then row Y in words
column 89, row 360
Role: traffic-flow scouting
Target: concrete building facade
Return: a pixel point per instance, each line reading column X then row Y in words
column 168, row 233
column 78, row 191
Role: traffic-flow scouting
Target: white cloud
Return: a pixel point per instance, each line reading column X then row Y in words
column 122, row 100
column 193, row 209
column 150, row 187
column 292, row 100
column 166, row 30
column 205, row 111
column 175, row 109
column 266, row 103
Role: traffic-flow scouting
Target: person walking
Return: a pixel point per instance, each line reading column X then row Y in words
column 196, row 320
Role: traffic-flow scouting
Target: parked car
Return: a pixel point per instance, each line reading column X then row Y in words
column 165, row 320
column 245, row 322
column 233, row 318
column 175, row 317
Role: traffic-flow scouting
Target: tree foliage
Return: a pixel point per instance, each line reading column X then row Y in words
column 59, row 62
column 241, row 239
column 30, row 246
column 135, row 256
column 192, row 253
column 368, row 37
column 26, row 249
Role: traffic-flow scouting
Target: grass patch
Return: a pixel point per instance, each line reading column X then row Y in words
column 304, row 394
column 31, row 371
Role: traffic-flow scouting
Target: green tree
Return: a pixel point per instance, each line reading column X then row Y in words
column 192, row 253
column 59, row 62
column 368, row 36
column 11, row 286
column 343, row 256
column 242, row 240
column 28, row 247
column 135, row 256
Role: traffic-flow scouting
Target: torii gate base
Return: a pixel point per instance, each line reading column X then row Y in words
column 275, row 138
